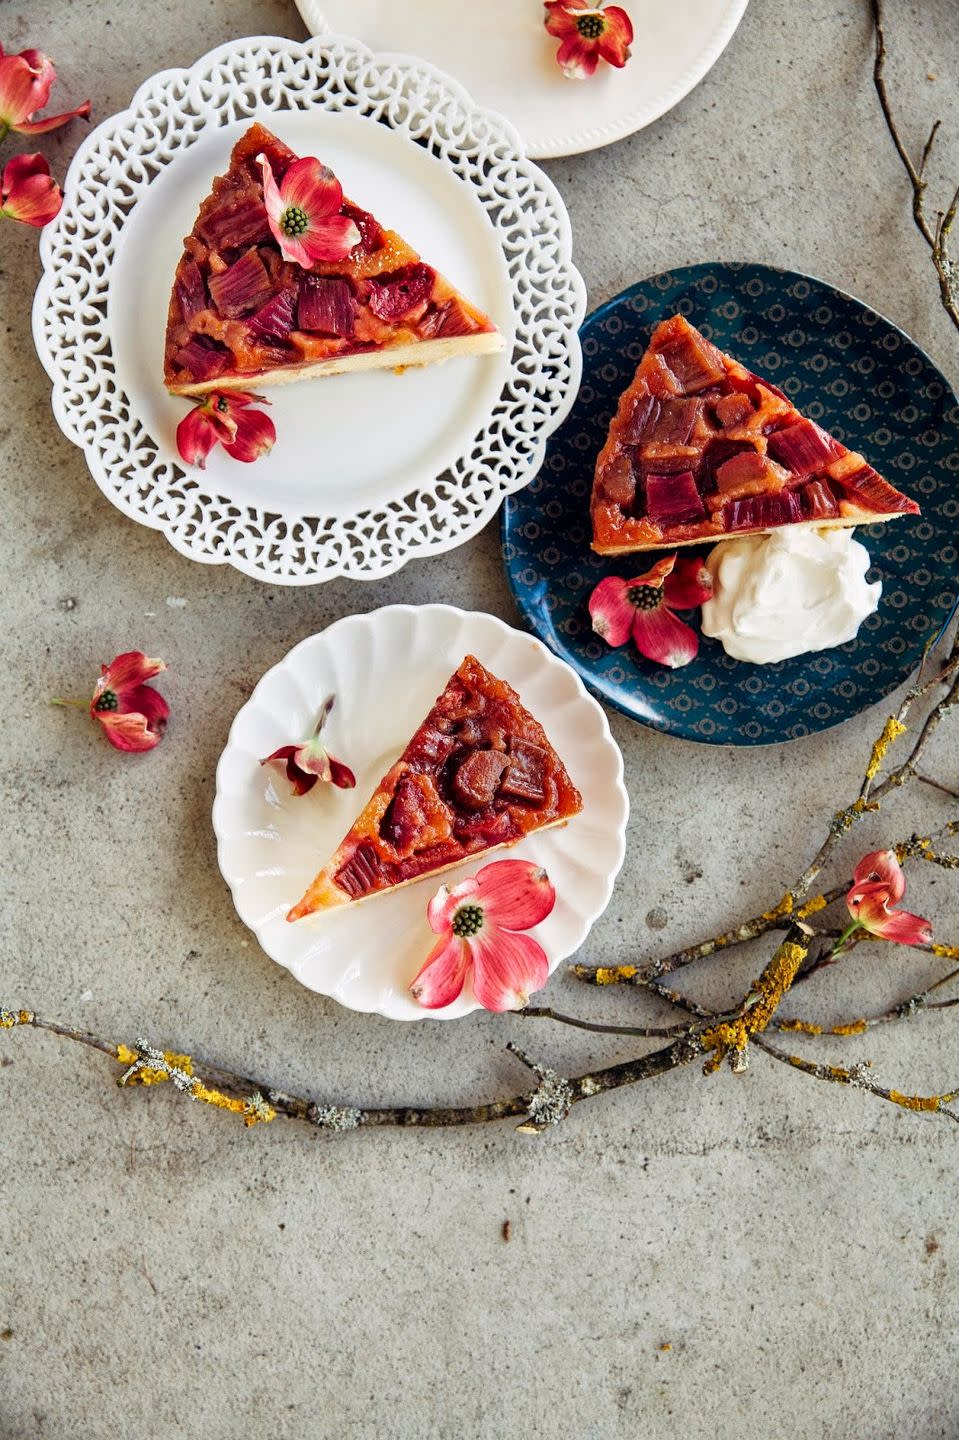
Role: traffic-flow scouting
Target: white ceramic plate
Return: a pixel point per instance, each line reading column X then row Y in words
column 386, row 668
column 502, row 54
column 369, row 469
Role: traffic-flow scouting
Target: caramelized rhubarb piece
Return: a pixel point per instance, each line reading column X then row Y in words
column 478, row 774
column 380, row 307
column 327, row 305
column 700, row 448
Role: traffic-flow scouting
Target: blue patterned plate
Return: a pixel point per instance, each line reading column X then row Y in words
column 843, row 366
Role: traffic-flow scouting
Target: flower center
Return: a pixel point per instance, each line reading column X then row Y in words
column 293, row 221
column 644, row 597
column 468, row 921
column 591, row 27
column 107, row 701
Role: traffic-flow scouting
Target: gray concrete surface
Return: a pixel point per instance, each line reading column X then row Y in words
column 165, row 1272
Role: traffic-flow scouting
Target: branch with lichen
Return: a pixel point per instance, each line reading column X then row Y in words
column 936, row 232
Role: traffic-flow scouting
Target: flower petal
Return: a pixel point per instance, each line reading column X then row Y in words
column 661, row 636
column 558, row 20
column 313, row 188
column 515, row 894
column 870, row 906
column 130, row 669
column 312, row 757
column 196, row 435
column 507, row 968
column 689, row 585
column 443, row 976
column 440, row 910
column 53, row 122
column 30, row 195
column 616, row 39
column 331, row 239
column 144, row 700
column 25, row 82
column 129, row 732
column 577, row 59
column 341, row 775
column 255, row 436
column 881, row 867
column 611, row 612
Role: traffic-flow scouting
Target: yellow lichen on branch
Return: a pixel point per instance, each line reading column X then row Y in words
column 892, row 729
column 615, row 974
column 9, row 1018
column 766, row 996
column 146, row 1066
column 147, row 1074
column 920, row 1102
column 945, row 952
column 802, row 1027
column 818, row 902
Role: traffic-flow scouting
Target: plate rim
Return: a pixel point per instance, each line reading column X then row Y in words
column 530, row 616
column 618, row 788
column 581, row 142
column 413, row 544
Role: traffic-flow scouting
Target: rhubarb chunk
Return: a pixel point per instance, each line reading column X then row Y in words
column 803, row 448
column 673, row 500
column 327, row 305
column 395, row 296
column 242, row 287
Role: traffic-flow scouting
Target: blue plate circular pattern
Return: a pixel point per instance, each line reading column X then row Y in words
column 844, row 366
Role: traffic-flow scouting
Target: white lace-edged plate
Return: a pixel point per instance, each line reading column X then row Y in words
column 369, row 470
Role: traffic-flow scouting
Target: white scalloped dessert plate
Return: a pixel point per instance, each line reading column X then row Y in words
column 500, row 51
column 369, row 469
column 386, row 668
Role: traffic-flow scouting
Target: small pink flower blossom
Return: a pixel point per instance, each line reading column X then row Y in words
column 304, row 213
column 25, row 83
column 222, row 418
column 588, row 32
column 643, row 608
column 132, row 713
column 311, row 761
column 28, row 192
column 878, row 885
column 477, row 921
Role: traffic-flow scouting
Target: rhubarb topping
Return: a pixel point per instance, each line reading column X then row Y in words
column 327, row 305
column 701, row 447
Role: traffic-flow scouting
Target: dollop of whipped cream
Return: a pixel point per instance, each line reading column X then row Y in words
column 796, row 590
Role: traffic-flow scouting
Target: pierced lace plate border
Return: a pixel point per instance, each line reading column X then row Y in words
column 112, row 169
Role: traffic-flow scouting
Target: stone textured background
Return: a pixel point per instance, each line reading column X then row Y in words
column 165, row 1272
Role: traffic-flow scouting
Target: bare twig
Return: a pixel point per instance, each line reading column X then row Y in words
column 936, row 235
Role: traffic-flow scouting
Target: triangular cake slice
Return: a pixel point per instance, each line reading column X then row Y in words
column 478, row 774
column 700, row 449
column 241, row 316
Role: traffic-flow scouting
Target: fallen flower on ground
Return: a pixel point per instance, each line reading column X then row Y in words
column 132, row 713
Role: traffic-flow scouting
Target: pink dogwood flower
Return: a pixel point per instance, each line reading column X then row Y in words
column 304, row 213
column 25, row 83
column 222, row 418
column 28, row 192
column 477, row 921
column 588, row 33
column 643, row 608
column 311, row 761
column 878, row 886
column 132, row 713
